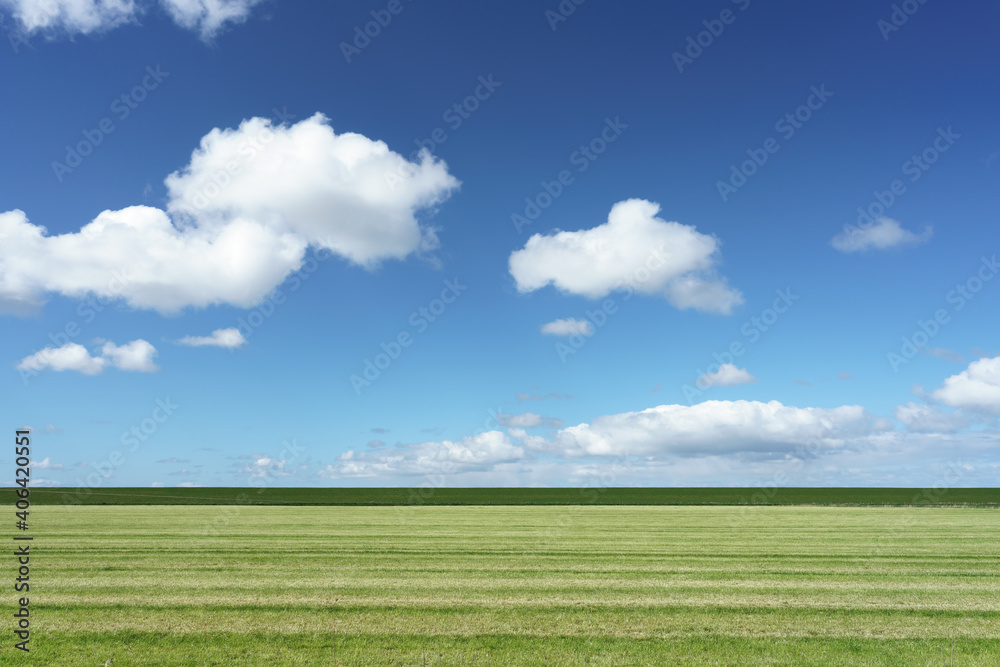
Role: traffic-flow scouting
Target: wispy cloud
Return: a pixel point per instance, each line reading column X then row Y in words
column 229, row 338
column 568, row 327
column 885, row 233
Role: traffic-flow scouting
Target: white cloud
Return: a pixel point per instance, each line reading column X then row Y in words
column 266, row 466
column 976, row 388
column 885, row 233
column 713, row 428
column 136, row 355
column 720, row 432
column 72, row 17
column 46, row 464
column 208, row 17
column 189, row 484
column 633, row 249
column 330, row 190
column 157, row 485
column 230, row 338
column 523, row 420
column 712, row 443
column 284, row 188
column 925, row 419
column 728, row 375
column 478, row 452
column 568, row 327
column 69, row 357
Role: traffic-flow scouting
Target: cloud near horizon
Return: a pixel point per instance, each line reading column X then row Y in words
column 921, row 418
column 666, row 432
column 478, row 452
column 713, row 427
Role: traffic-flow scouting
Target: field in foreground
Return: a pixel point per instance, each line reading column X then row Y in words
column 597, row 585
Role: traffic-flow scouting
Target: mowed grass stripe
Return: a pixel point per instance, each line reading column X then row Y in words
column 393, row 650
column 511, row 585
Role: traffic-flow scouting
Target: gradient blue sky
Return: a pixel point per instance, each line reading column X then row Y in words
column 482, row 396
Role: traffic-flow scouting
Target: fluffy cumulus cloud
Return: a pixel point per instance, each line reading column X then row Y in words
column 568, row 327
column 239, row 220
column 883, row 234
column 977, row 388
column 714, row 428
column 728, row 375
column 474, row 453
column 136, row 355
column 72, row 17
column 230, row 338
column 633, row 250
column 69, row 357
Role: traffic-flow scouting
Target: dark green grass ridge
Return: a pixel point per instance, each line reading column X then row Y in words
column 858, row 497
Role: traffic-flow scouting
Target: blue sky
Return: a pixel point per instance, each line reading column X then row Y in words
column 253, row 169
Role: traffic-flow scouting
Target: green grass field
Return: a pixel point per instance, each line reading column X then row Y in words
column 983, row 497
column 576, row 585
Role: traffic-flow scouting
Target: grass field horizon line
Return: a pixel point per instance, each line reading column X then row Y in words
column 452, row 496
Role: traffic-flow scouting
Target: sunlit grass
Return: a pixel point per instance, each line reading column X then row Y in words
column 604, row 585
